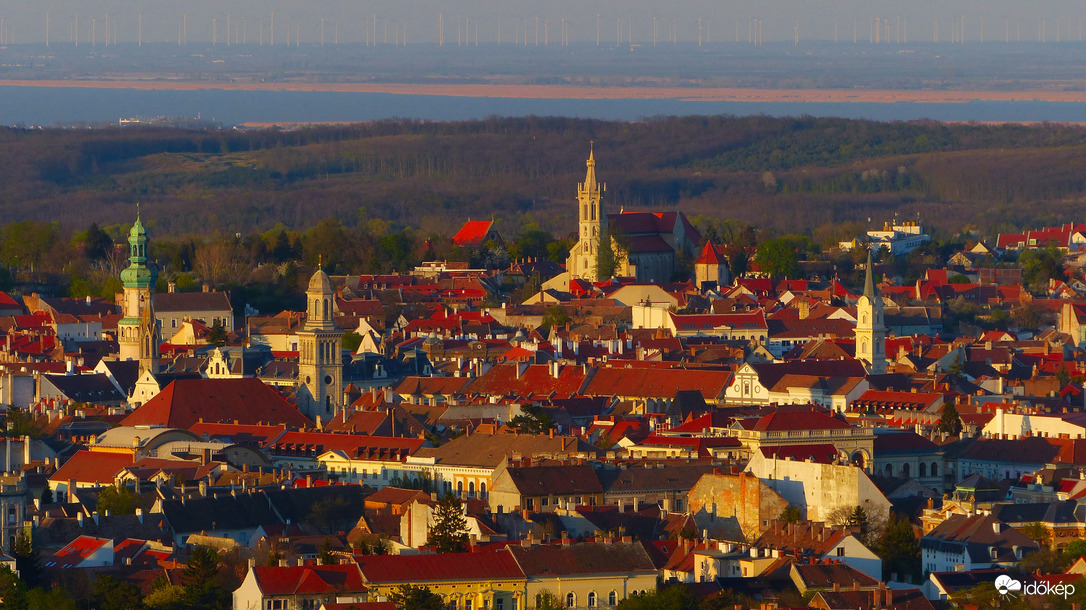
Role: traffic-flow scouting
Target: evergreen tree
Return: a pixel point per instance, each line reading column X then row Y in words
column 949, row 420
column 899, row 548
column 449, row 533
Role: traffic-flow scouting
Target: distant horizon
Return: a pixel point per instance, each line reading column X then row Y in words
column 555, row 23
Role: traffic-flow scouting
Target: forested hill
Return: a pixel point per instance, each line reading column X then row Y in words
column 796, row 175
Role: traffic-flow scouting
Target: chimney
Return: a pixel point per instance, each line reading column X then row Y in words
column 203, row 489
column 139, row 514
column 171, row 287
column 79, row 518
column 94, row 515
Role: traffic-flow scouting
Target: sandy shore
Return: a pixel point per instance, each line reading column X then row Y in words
column 707, row 94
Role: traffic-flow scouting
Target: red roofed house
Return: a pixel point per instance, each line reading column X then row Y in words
column 1073, row 322
column 83, row 552
column 475, row 233
column 805, row 426
column 88, row 469
column 186, row 402
column 290, row 587
column 463, row 580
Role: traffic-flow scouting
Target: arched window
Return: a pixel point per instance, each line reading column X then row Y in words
column 460, row 489
column 592, row 599
column 471, row 489
column 482, row 490
column 934, row 469
column 571, row 600
column 326, row 316
column 905, row 470
column 612, row 599
column 923, row 469
column 889, row 470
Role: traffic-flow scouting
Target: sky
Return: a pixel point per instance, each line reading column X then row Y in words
column 619, row 21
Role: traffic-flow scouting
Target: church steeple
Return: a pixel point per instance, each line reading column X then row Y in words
column 138, row 331
column 870, row 330
column 591, row 224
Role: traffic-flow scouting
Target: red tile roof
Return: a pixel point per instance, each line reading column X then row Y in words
column 93, row 467
column 472, row 233
column 76, row 551
column 185, row 402
column 656, row 382
column 710, row 255
column 298, row 580
column 446, row 566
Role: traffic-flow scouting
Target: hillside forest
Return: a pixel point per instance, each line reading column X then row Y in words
column 234, row 207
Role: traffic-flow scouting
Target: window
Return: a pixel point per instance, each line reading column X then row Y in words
column 934, row 469
column 571, row 600
column 499, row 603
column 544, row 501
column 592, row 599
column 612, row 599
column 467, row 604
column 840, row 551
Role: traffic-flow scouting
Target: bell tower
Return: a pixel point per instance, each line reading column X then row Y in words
column 583, row 260
column 870, row 327
column 138, row 331
column 320, row 358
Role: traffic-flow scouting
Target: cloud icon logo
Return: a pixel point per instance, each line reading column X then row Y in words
column 1006, row 585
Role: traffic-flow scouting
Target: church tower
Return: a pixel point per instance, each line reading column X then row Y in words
column 320, row 358
column 583, row 260
column 138, row 332
column 870, row 329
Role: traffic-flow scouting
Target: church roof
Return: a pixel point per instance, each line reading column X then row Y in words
column 320, row 282
column 187, row 401
column 473, row 233
column 710, row 255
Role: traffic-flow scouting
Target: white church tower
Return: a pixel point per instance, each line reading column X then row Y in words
column 320, row 358
column 583, row 261
column 870, row 327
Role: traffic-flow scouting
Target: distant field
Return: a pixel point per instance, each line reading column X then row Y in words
column 691, row 93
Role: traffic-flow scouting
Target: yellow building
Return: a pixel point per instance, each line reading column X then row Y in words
column 466, row 581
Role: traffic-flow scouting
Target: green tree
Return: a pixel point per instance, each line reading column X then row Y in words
column 114, row 594
column 790, row 514
column 859, row 519
column 351, row 340
column 327, row 557
column 899, row 549
column 117, row 500
column 412, row 597
column 949, row 420
column 166, row 597
column 27, row 562
column 449, row 532
column 532, row 420
column 780, row 257
column 545, row 600
column 217, row 334
column 555, row 316
column 201, row 587
column 668, row 598
column 12, row 589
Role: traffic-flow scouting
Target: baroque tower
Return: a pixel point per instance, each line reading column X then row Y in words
column 870, row 330
column 583, row 260
column 320, row 358
column 138, row 332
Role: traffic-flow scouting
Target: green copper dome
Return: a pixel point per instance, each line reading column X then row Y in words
column 138, row 274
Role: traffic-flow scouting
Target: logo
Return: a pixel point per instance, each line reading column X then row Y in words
column 1009, row 587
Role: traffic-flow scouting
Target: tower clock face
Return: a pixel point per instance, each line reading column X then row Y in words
column 328, row 380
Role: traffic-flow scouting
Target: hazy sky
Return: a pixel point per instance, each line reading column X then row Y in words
column 354, row 22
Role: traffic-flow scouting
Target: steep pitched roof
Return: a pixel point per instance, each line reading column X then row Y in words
column 308, row 580
column 472, row 233
column 93, row 467
column 185, row 402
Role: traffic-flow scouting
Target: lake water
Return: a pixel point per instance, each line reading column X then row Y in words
column 69, row 105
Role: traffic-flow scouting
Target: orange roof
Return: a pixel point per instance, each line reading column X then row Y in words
column 99, row 467
column 185, row 402
column 472, row 233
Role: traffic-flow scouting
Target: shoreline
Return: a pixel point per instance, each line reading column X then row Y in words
column 488, row 90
